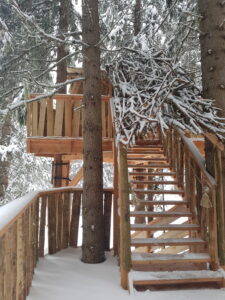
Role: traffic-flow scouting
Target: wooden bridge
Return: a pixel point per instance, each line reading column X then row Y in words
column 167, row 189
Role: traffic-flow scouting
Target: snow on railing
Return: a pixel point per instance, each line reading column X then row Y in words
column 29, row 224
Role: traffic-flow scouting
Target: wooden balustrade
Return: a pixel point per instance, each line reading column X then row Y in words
column 52, row 215
column 62, row 115
column 202, row 189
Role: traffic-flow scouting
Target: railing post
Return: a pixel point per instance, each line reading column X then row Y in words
column 125, row 253
column 115, row 203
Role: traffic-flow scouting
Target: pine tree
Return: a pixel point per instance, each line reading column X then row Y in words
column 93, row 225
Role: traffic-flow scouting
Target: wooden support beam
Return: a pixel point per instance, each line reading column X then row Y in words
column 77, row 178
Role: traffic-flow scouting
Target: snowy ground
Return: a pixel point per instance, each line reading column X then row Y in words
column 64, row 277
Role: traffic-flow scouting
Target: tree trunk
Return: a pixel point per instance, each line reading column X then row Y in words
column 5, row 163
column 212, row 40
column 137, row 17
column 61, row 51
column 93, row 222
column 61, row 77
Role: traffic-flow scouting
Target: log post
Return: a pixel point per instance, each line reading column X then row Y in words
column 115, row 203
column 214, row 167
column 125, row 254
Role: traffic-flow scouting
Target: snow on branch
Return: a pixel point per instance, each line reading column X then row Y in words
column 151, row 90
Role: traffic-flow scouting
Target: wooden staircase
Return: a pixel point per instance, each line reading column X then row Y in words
column 168, row 246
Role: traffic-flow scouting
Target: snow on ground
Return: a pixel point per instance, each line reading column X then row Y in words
column 64, row 277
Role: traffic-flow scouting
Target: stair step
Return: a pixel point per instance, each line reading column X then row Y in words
column 147, row 159
column 152, row 166
column 157, row 191
column 164, row 202
column 131, row 152
column 152, row 174
column 154, row 258
column 175, row 277
column 166, row 242
column 164, row 227
column 174, row 182
column 157, row 214
column 147, row 143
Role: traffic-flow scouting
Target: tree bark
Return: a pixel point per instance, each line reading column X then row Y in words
column 61, row 77
column 61, row 51
column 212, row 41
column 93, row 222
column 137, row 17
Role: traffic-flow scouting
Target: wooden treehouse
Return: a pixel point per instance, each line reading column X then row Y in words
column 168, row 190
column 54, row 128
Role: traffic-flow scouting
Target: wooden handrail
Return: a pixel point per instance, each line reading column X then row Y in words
column 201, row 189
column 69, row 97
column 199, row 160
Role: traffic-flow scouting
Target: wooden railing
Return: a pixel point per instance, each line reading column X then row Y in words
column 61, row 116
column 202, row 189
column 31, row 227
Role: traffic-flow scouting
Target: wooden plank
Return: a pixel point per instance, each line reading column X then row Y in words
column 76, row 119
column 13, row 259
column 50, row 117
column 103, row 120
column 48, row 146
column 28, row 119
column 110, row 121
column 2, row 265
column 74, row 225
column 51, row 224
column 77, row 178
column 68, row 118
column 34, row 119
column 42, row 118
column 59, row 231
column 20, row 288
column 42, row 226
column 107, row 219
column 66, row 220
column 59, row 118
column 69, row 97
column 116, row 228
column 176, row 281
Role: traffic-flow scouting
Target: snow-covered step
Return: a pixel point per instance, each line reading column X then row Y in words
column 156, row 214
column 150, row 166
column 136, row 173
column 154, row 258
column 166, row 182
column 157, row 191
column 131, row 152
column 166, row 202
column 176, row 227
column 166, row 242
column 148, row 144
column 138, row 278
column 146, row 159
